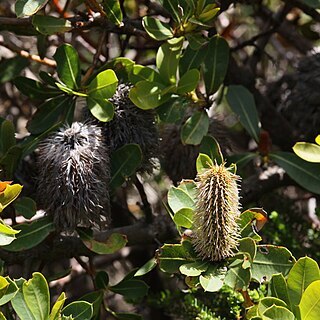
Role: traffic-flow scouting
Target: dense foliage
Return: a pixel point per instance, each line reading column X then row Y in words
column 159, row 159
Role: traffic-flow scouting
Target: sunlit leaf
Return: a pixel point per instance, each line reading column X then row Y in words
column 157, row 29
column 28, row 7
column 307, row 151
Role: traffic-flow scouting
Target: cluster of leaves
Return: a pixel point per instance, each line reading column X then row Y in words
column 31, row 299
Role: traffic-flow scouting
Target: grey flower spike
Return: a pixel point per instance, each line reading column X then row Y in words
column 131, row 125
column 216, row 231
column 73, row 179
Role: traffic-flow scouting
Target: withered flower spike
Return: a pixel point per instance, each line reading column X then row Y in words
column 74, row 173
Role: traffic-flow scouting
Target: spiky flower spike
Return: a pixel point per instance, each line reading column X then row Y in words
column 216, row 231
column 73, row 177
column 131, row 125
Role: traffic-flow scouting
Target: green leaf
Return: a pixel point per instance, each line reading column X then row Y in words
column 57, row 307
column 103, row 86
column 19, row 304
column 208, row 13
column 147, row 95
column 131, row 289
column 157, row 29
column 4, row 284
column 50, row 25
column 10, row 161
column 11, row 68
column 79, row 310
column 101, row 280
column 7, row 134
column 215, row 64
column 190, row 188
column 36, row 295
column 172, row 110
column 115, row 242
column 203, row 162
column 256, row 217
column 279, row 288
column 270, row 260
column 101, row 109
column 172, row 256
column 167, row 60
column 11, row 291
column 96, row 299
column 237, row 277
column 124, row 163
column 194, row 269
column 276, row 312
column 180, row 10
column 31, row 234
column 196, row 40
column 179, row 199
column 242, row 159
column 26, row 207
column 242, row 103
column 48, row 79
column 191, row 59
column 113, row 11
column 213, row 279
column 28, row 7
column 10, row 193
column 34, row 89
column 210, row 146
column 188, row 81
column 142, row 73
column 312, row 3
column 306, row 174
column 184, row 218
column 303, row 273
column 68, row 66
column 48, row 113
column 248, row 245
column 267, row 302
column 146, row 268
column 317, row 139
column 310, row 302
column 6, row 229
column 195, row 128
column 307, row 151
column 6, row 239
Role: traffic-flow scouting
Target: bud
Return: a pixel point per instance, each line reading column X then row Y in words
column 216, row 231
column 73, row 179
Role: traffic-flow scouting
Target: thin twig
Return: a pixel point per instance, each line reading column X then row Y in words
column 95, row 58
column 26, row 54
column 146, row 205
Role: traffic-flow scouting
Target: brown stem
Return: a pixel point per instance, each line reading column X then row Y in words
column 95, row 58
column 25, row 54
column 146, row 205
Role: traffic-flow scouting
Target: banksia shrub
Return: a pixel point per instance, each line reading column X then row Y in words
column 216, row 231
column 132, row 125
column 73, row 177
